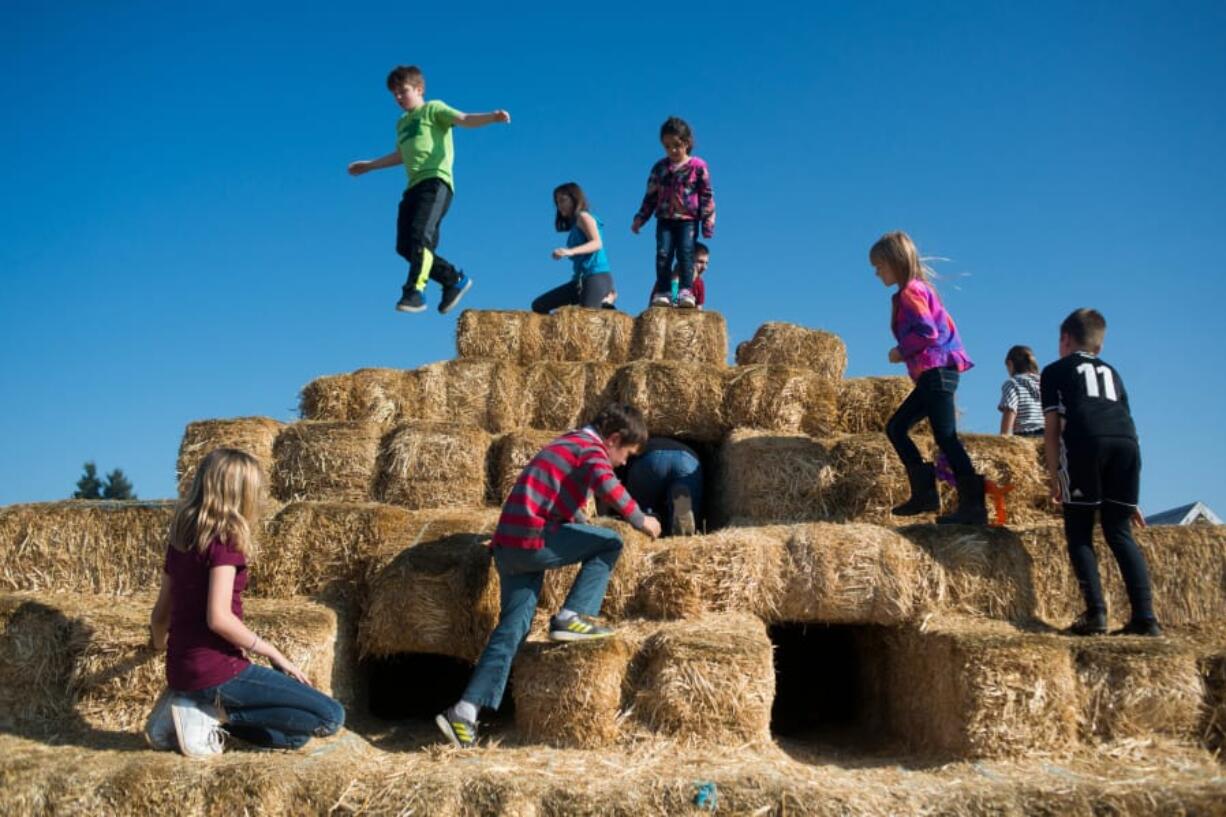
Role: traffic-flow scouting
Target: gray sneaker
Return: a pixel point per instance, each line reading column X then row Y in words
column 160, row 728
column 197, row 728
column 462, row 733
column 579, row 628
column 682, row 521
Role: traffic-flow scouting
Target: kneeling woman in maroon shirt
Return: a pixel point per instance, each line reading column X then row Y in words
column 198, row 619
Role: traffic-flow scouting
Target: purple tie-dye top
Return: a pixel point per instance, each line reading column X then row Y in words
column 926, row 334
column 680, row 193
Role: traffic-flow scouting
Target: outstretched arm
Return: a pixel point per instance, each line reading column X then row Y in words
column 390, row 160
column 480, row 120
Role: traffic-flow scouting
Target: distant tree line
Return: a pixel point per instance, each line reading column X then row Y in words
column 114, row 486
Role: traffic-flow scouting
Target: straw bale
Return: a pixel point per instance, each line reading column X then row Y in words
column 677, row 399
column 980, row 689
column 326, row 460
column 509, row 454
column 856, row 574
column 255, row 435
column 870, row 479
column 438, row 596
column 486, row 394
column 1137, row 687
column 564, row 395
column 782, row 398
column 787, row 344
column 709, row 679
column 499, row 334
column 576, row 333
column 83, row 546
column 768, row 477
column 80, row 662
column 373, row 395
column 1213, row 726
column 433, row 465
column 732, row 569
column 981, row 571
column 571, row 694
column 689, row 335
column 867, row 403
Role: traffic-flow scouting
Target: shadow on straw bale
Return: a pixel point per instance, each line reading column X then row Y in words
column 787, row 344
column 689, row 335
column 565, row 395
column 768, row 477
column 851, row 573
column 709, row 679
column 81, row 663
column 255, row 435
column 433, row 465
column 781, row 398
column 326, row 460
column 508, row 455
column 732, row 569
column 677, row 399
column 83, row 546
column 976, row 689
column 576, row 333
column 486, row 394
column 372, row 395
column 1135, row 687
column 867, row 403
column 439, row 596
column 498, row 334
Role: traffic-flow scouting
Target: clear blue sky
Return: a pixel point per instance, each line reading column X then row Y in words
column 179, row 239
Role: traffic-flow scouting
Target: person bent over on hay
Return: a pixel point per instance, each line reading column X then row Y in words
column 667, row 477
column 198, row 620
column 542, row 527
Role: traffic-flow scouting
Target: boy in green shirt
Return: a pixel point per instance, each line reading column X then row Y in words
column 423, row 146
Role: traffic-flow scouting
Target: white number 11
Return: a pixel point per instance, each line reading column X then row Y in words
column 1092, row 373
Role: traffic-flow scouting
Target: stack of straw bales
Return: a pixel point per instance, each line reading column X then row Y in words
column 787, row 344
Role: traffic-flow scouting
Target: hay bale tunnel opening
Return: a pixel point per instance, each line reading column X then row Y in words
column 418, row 686
column 827, row 684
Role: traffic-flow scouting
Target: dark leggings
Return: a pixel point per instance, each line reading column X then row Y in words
column 1117, row 530
column 932, row 397
column 590, row 293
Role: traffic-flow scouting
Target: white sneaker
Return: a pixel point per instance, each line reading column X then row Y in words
column 686, row 299
column 160, row 728
column 661, row 299
column 197, row 728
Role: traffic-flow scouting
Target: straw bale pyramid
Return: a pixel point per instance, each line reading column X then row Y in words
column 806, row 654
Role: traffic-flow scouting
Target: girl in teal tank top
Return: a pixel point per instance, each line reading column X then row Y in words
column 591, row 280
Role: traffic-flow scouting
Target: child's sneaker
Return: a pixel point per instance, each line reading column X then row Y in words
column 578, row 628
column 686, row 299
column 461, row 732
column 197, row 728
column 661, row 299
column 682, row 522
column 411, row 301
column 1146, row 627
column 160, row 728
column 453, row 294
column 1091, row 622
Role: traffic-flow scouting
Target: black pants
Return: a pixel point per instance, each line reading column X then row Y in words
column 421, row 211
column 589, row 292
column 675, row 238
column 1117, row 530
column 932, row 397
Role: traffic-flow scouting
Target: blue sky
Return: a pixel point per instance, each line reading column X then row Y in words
column 179, row 239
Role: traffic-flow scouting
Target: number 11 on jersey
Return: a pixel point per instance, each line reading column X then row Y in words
column 1093, row 374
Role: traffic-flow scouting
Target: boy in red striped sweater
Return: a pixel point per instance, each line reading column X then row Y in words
column 542, row 527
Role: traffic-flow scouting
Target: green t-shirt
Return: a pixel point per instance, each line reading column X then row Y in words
column 424, row 139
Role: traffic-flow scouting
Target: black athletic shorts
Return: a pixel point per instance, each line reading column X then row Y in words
column 1101, row 469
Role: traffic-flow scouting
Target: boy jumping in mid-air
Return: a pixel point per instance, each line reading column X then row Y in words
column 423, row 145
column 1094, row 464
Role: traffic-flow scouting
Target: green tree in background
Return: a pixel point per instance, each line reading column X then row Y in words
column 89, row 486
column 117, row 486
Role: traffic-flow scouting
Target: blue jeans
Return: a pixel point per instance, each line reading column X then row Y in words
column 650, row 478
column 932, row 397
column 520, row 573
column 270, row 709
column 675, row 237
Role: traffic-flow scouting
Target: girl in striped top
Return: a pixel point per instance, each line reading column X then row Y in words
column 1021, row 412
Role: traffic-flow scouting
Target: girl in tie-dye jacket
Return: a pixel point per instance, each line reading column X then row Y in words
column 928, row 343
column 679, row 194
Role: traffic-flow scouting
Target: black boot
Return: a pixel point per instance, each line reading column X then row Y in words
column 924, row 497
column 971, row 510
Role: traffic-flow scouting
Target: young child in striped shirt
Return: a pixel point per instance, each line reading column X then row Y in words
column 1021, row 411
column 543, row 527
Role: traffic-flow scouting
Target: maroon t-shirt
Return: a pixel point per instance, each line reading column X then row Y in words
column 197, row 657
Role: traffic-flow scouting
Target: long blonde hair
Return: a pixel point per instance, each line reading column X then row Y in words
column 223, row 503
column 897, row 251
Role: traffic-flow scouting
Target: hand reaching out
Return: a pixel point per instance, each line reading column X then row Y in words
column 895, row 355
column 651, row 526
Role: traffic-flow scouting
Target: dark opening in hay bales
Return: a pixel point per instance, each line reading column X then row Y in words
column 418, row 686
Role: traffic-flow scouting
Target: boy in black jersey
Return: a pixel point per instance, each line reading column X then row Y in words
column 1094, row 463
